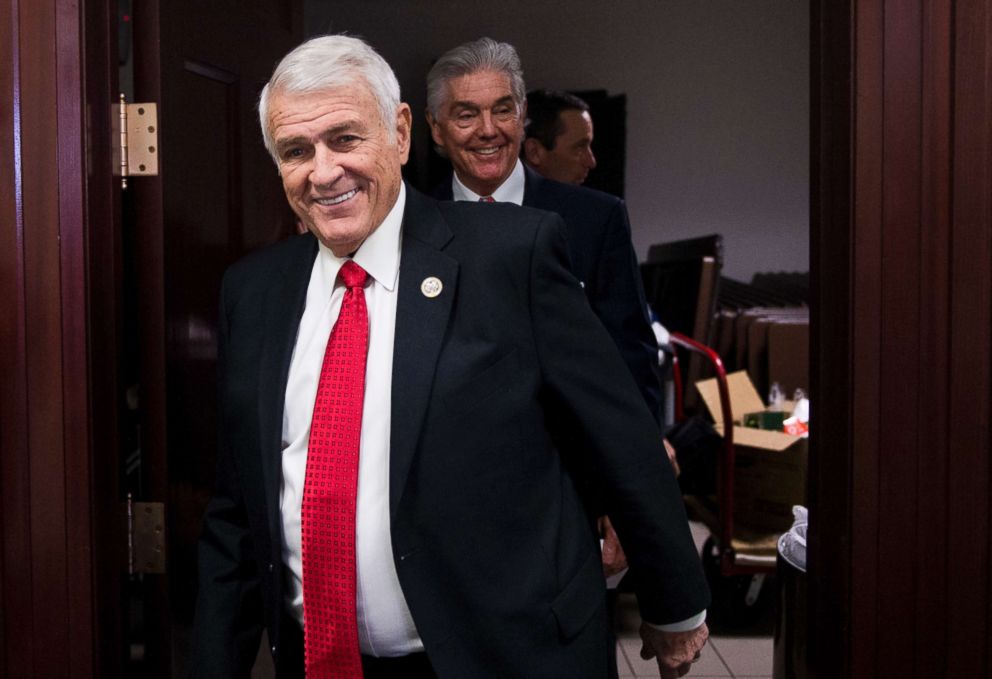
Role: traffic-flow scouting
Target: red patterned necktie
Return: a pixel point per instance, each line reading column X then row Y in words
column 330, row 490
column 487, row 199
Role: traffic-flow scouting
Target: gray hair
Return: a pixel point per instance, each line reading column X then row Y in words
column 484, row 54
column 327, row 62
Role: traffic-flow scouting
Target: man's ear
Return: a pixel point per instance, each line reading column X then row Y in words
column 435, row 128
column 404, row 120
column 534, row 152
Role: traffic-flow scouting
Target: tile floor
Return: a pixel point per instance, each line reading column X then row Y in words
column 743, row 653
column 738, row 652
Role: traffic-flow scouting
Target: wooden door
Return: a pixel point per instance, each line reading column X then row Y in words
column 900, row 471
column 217, row 196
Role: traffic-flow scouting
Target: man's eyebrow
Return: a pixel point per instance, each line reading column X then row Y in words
column 291, row 141
column 474, row 105
column 345, row 126
column 350, row 125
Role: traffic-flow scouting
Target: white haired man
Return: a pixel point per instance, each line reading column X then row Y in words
column 389, row 502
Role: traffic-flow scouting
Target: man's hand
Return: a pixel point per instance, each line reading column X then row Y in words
column 671, row 457
column 675, row 651
column 614, row 560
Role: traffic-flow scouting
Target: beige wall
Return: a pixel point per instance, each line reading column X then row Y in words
column 717, row 100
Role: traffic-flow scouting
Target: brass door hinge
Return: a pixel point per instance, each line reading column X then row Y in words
column 138, row 148
column 145, row 537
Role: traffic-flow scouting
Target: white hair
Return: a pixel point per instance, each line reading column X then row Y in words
column 327, row 62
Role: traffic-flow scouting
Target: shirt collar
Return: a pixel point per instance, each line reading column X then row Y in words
column 379, row 255
column 510, row 191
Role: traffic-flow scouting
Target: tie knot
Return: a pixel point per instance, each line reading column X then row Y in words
column 352, row 275
column 487, row 199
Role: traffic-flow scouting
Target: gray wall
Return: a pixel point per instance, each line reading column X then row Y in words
column 717, row 101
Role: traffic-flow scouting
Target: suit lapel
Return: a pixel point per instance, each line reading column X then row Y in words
column 284, row 307
column 420, row 326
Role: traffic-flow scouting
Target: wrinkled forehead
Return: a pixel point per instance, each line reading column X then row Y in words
column 349, row 84
column 481, row 88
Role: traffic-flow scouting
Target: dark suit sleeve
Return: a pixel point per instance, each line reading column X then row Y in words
column 228, row 624
column 596, row 403
column 618, row 300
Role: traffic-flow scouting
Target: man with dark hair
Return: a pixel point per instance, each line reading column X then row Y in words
column 559, row 135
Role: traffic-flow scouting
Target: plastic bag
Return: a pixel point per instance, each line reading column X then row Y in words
column 792, row 544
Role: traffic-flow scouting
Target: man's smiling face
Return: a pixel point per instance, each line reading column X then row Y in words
column 340, row 166
column 481, row 127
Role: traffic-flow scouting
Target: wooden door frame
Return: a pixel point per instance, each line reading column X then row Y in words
column 830, row 345
column 901, row 239
column 61, row 533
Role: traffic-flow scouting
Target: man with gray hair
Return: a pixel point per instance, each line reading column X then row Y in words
column 476, row 108
column 389, row 501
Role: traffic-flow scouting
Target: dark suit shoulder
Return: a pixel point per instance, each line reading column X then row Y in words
column 570, row 201
column 273, row 259
column 250, row 279
column 493, row 222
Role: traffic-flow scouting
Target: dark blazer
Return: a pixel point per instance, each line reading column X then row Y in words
column 603, row 258
column 497, row 561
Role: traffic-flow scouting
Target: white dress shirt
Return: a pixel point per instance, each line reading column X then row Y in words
column 510, row 191
column 385, row 626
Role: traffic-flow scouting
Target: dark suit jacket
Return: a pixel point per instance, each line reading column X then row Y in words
column 603, row 258
column 497, row 561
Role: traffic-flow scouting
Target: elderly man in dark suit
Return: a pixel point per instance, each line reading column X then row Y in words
column 476, row 108
column 390, row 499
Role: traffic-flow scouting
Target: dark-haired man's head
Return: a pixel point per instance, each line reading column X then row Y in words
column 559, row 135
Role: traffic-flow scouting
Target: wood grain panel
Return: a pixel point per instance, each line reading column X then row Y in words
column 932, row 410
column 970, row 299
column 918, row 329
column 43, row 330
column 831, row 377
column 866, row 338
column 74, row 306
column 47, row 480
column 103, row 283
column 898, row 356
column 18, row 648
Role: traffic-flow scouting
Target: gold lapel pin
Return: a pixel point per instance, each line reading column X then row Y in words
column 431, row 287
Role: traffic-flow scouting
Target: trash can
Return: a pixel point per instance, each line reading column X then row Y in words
column 791, row 625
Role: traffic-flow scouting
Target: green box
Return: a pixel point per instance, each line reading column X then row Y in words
column 765, row 419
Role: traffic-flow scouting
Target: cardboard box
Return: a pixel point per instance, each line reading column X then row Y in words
column 770, row 467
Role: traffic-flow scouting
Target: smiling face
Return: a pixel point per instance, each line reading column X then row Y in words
column 572, row 158
column 340, row 169
column 481, row 127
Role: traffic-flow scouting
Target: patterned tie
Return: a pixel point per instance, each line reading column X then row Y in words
column 487, row 199
column 330, row 490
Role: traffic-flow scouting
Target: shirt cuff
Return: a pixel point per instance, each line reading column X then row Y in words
column 684, row 625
